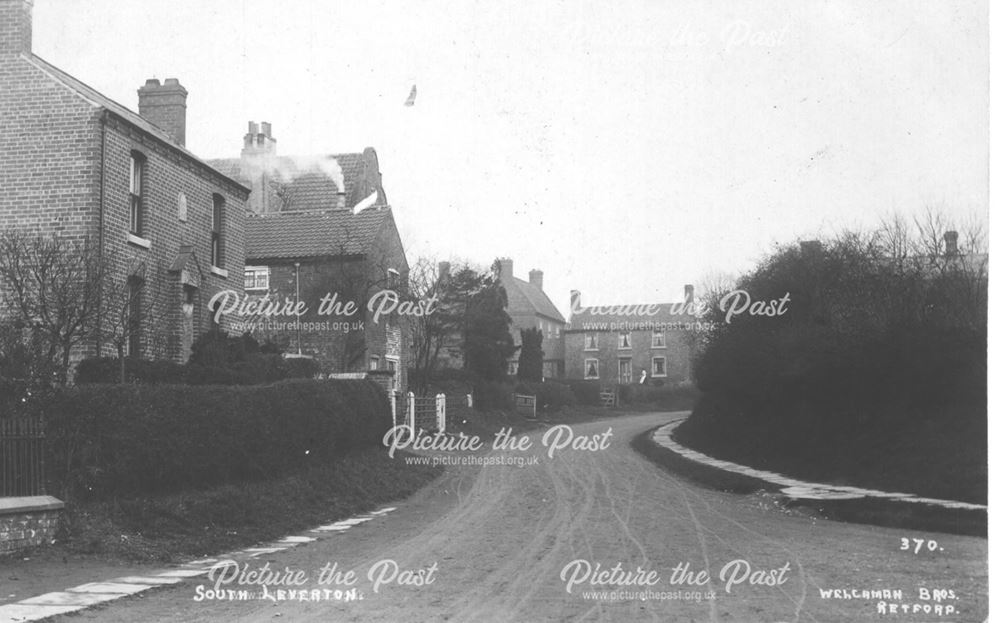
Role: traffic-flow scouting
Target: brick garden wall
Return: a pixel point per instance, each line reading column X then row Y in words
column 23, row 530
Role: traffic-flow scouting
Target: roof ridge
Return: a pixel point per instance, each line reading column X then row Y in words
column 100, row 100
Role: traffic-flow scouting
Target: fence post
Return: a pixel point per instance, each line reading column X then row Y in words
column 411, row 414
column 468, row 399
column 442, row 408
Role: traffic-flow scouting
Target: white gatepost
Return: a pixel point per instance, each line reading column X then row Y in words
column 468, row 399
column 441, row 403
column 411, row 414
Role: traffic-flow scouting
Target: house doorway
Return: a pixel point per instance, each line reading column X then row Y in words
column 189, row 299
column 625, row 371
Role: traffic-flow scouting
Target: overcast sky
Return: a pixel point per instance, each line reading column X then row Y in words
column 625, row 148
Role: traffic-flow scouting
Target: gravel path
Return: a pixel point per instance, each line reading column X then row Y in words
column 508, row 543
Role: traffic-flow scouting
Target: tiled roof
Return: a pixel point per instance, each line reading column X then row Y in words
column 308, row 186
column 631, row 314
column 521, row 294
column 99, row 99
column 313, row 233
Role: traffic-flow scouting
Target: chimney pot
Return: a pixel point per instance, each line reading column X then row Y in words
column 951, row 243
column 506, row 268
column 575, row 301
column 688, row 293
column 265, row 128
column 444, row 270
column 535, row 278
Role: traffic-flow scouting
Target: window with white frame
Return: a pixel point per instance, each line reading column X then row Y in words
column 392, row 278
column 591, row 369
column 659, row 339
column 256, row 278
column 373, row 362
column 659, row 366
column 589, row 341
column 624, row 340
column 137, row 170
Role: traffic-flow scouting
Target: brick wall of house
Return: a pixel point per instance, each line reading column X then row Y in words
column 50, row 148
column 167, row 176
column 676, row 351
column 340, row 343
column 336, row 341
column 53, row 182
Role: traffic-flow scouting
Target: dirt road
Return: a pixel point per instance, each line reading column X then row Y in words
column 508, row 543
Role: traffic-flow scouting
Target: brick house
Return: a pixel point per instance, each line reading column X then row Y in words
column 321, row 227
column 529, row 307
column 77, row 164
column 615, row 344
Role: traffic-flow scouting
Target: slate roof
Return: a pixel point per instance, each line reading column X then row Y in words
column 313, row 233
column 99, row 99
column 308, row 187
column 632, row 313
column 521, row 294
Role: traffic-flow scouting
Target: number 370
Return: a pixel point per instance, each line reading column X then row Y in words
column 915, row 545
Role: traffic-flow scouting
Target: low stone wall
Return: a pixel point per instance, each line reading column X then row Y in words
column 28, row 522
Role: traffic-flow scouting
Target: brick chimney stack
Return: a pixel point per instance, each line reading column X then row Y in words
column 951, row 243
column 258, row 139
column 506, row 268
column 444, row 271
column 15, row 27
column 535, row 278
column 165, row 106
column 257, row 163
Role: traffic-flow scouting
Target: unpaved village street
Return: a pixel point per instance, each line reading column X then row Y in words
column 504, row 543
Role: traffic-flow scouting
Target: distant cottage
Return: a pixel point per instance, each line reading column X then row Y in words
column 618, row 344
column 529, row 307
column 318, row 227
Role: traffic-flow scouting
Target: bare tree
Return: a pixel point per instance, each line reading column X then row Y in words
column 131, row 309
column 434, row 332
column 52, row 287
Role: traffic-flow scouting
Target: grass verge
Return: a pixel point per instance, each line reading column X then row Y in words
column 198, row 523
column 879, row 512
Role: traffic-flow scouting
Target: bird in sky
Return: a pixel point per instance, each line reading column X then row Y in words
column 412, row 98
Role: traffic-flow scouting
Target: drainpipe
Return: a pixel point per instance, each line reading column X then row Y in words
column 298, row 332
column 100, row 230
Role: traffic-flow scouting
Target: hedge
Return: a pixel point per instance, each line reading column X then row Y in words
column 106, row 441
column 585, row 392
column 550, row 395
column 254, row 370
